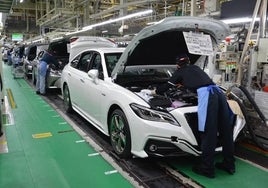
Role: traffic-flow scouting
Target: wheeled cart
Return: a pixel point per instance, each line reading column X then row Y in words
column 17, row 68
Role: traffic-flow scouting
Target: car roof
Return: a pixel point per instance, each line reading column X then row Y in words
column 76, row 39
column 80, row 43
column 107, row 50
column 104, row 50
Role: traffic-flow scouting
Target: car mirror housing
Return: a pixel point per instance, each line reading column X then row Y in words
column 93, row 73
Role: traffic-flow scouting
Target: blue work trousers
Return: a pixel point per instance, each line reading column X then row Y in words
column 41, row 77
column 218, row 121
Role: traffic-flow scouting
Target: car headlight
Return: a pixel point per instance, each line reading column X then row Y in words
column 153, row 115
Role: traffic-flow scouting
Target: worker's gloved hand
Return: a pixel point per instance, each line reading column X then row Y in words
column 148, row 92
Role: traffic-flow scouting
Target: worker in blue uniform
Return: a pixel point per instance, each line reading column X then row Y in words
column 42, row 70
column 214, row 115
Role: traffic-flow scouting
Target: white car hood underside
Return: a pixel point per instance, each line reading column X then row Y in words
column 162, row 42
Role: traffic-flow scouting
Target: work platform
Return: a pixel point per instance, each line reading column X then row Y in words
column 40, row 149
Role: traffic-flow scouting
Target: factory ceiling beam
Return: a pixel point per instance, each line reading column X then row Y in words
column 259, row 7
column 119, row 7
column 5, row 6
column 61, row 14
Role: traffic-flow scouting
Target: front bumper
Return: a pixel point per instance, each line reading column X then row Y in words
column 160, row 148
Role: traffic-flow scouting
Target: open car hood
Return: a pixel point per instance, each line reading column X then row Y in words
column 159, row 44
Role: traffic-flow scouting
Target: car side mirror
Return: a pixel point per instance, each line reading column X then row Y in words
column 94, row 73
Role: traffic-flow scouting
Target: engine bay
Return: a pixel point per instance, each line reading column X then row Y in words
column 148, row 80
column 173, row 98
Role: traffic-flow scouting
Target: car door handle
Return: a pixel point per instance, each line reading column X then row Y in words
column 82, row 80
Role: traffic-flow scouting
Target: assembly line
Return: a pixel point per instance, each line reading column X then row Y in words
column 180, row 102
column 39, row 144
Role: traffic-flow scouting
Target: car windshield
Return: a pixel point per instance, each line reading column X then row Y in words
column 159, row 71
column 142, row 76
column 111, row 59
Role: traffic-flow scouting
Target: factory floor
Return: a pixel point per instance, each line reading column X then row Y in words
column 40, row 149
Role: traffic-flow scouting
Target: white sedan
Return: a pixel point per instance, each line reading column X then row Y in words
column 105, row 86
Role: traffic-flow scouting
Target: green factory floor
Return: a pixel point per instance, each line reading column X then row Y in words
column 43, row 150
column 247, row 175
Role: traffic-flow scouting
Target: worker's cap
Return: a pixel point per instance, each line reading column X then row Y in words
column 182, row 59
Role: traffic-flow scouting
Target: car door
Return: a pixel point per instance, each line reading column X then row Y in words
column 76, row 79
column 91, row 91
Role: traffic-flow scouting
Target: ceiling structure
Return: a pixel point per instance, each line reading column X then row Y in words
column 5, row 5
column 55, row 18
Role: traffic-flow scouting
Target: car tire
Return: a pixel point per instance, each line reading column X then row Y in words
column 120, row 134
column 67, row 99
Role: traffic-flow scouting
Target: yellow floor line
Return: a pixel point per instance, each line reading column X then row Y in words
column 11, row 99
column 3, row 145
column 42, row 135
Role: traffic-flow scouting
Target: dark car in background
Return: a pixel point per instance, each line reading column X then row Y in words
column 31, row 56
column 61, row 50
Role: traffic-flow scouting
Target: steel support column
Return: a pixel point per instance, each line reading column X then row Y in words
column 245, row 48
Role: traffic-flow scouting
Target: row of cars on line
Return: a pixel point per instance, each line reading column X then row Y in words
column 13, row 55
column 34, row 53
column 104, row 85
column 63, row 51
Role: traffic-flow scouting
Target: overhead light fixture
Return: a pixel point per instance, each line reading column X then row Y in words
column 38, row 40
column 151, row 23
column 57, row 38
column 74, row 32
column 137, row 14
column 239, row 20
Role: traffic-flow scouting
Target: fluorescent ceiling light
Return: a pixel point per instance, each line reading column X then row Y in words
column 58, row 38
column 75, row 32
column 117, row 19
column 239, row 20
column 151, row 23
column 112, row 21
column 38, row 40
column 1, row 24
